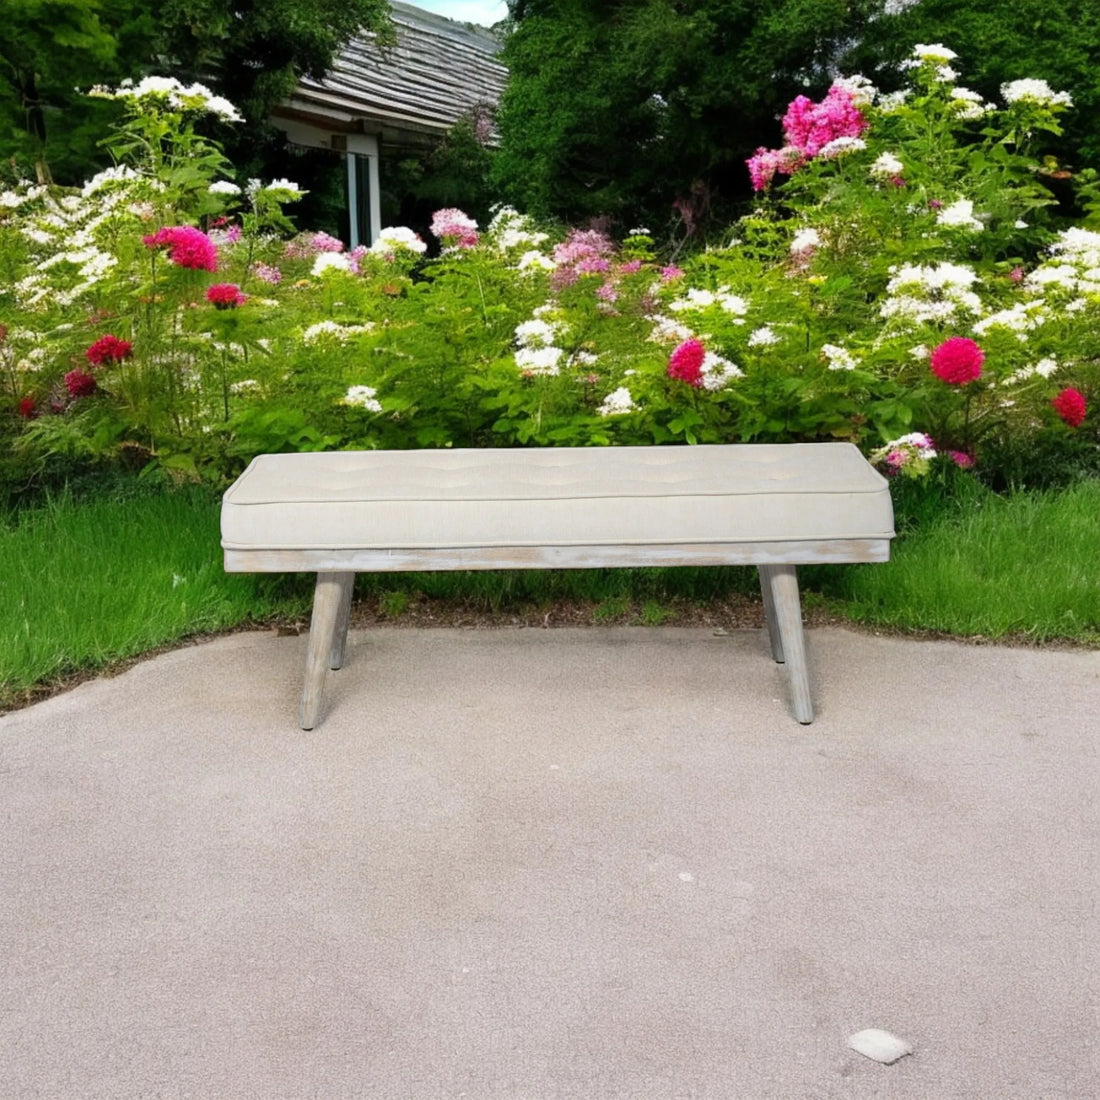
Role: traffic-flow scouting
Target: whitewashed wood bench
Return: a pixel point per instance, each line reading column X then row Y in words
column 339, row 513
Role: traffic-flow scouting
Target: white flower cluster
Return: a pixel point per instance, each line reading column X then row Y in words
column 330, row 330
column 1021, row 318
column 332, row 261
column 841, row 146
column 862, row 91
column 718, row 372
column 537, row 353
column 1043, row 369
column 697, row 298
column 510, row 229
column 959, row 215
column 1035, row 91
column 395, row 239
column 362, row 397
column 617, row 403
column 918, row 293
column 118, row 174
column 763, row 337
column 937, row 57
column 886, row 166
column 838, row 358
column 1074, row 265
column 12, row 200
column 181, row 97
column 668, row 331
column 804, row 241
column 968, row 104
column 224, row 187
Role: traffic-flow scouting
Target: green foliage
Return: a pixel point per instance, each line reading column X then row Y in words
column 814, row 322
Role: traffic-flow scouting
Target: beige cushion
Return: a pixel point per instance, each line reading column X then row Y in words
column 599, row 496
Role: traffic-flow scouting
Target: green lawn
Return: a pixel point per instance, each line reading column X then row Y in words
column 88, row 582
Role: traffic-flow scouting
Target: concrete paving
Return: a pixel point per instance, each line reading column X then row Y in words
column 540, row 864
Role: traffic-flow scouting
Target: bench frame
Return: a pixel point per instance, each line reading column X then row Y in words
column 336, row 569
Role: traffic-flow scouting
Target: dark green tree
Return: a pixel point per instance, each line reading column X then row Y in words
column 624, row 107
column 250, row 51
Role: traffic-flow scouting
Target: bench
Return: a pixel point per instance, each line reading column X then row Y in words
column 339, row 513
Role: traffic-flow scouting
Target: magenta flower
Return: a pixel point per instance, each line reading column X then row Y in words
column 108, row 349
column 671, row 272
column 1070, row 406
column 225, row 296
column 686, row 362
column 957, row 361
column 79, row 383
column 187, row 247
column 961, row 459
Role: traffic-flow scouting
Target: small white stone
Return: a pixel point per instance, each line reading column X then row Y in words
column 879, row 1045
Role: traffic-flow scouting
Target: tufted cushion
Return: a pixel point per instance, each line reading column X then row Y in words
column 597, row 496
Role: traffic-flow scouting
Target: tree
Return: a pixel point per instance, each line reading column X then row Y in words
column 999, row 41
column 622, row 107
column 250, row 51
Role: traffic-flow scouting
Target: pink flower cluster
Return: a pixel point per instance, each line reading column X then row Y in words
column 957, row 361
column 1070, row 406
column 187, row 247
column 454, row 228
column 807, row 128
column 108, row 349
column 583, row 252
column 307, row 245
column 225, row 295
column 686, row 362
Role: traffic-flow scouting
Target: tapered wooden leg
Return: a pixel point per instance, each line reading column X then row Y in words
column 769, row 616
column 322, row 628
column 782, row 582
column 340, row 635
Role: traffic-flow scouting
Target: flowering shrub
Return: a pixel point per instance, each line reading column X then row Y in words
column 900, row 284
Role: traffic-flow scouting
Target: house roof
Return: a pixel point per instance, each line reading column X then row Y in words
column 437, row 72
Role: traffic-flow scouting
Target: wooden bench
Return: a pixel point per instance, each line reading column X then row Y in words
column 339, row 513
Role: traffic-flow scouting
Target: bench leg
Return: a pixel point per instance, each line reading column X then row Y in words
column 340, row 635
column 327, row 597
column 770, row 617
column 781, row 583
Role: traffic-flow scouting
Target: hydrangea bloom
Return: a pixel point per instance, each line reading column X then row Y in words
column 957, row 361
column 108, row 349
column 1070, row 406
column 686, row 362
column 187, row 247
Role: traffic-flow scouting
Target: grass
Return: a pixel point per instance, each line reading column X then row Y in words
column 88, row 582
column 1026, row 565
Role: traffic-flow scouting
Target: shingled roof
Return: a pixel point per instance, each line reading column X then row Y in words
column 437, row 72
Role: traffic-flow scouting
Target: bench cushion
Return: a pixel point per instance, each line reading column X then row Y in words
column 600, row 496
